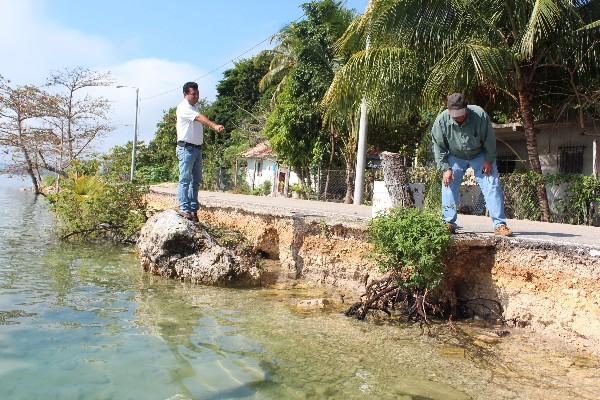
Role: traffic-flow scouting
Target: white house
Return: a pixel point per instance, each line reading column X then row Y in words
column 264, row 167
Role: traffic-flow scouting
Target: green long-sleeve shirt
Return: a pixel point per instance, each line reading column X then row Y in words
column 464, row 141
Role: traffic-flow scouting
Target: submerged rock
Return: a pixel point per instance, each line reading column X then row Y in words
column 310, row 304
column 174, row 247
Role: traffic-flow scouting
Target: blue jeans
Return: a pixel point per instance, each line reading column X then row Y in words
column 190, row 176
column 489, row 184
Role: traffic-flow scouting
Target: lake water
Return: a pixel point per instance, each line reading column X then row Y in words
column 84, row 322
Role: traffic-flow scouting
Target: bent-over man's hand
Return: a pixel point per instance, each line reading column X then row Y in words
column 486, row 168
column 447, row 177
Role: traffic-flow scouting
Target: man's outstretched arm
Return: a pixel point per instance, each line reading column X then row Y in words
column 207, row 122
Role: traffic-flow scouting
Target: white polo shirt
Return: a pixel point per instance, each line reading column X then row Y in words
column 188, row 129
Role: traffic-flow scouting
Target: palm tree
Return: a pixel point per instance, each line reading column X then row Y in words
column 497, row 46
column 284, row 58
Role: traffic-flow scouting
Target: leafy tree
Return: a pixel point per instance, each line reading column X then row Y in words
column 306, row 55
column 237, row 92
column 240, row 107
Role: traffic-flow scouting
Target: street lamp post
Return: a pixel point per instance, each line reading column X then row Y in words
column 135, row 128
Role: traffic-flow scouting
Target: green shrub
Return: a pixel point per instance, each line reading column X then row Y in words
column 263, row 189
column 296, row 187
column 89, row 208
column 412, row 243
column 582, row 192
column 154, row 173
column 520, row 195
column 521, row 201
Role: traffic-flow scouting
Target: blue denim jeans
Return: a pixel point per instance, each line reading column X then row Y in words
column 489, row 184
column 190, row 176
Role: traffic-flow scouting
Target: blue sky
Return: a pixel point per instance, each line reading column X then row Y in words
column 154, row 45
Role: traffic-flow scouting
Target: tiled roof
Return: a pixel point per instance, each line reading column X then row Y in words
column 261, row 150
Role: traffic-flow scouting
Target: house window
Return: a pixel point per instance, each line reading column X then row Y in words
column 570, row 159
column 258, row 167
column 506, row 163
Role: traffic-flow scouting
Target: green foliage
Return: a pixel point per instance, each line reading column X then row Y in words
column 89, row 166
column 239, row 107
column 90, row 208
column 117, row 162
column 520, row 194
column 161, row 149
column 295, row 127
column 262, row 190
column 237, row 92
column 296, row 187
column 156, row 173
column 582, row 192
column 412, row 243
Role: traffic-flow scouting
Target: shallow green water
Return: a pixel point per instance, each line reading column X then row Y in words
column 84, row 322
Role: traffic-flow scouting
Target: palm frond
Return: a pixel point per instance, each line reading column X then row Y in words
column 466, row 66
column 544, row 18
column 388, row 78
column 593, row 25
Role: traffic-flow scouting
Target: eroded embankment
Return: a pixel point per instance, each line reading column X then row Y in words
column 552, row 289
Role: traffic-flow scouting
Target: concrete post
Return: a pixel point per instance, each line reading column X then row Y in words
column 286, row 186
column 361, row 155
column 595, row 161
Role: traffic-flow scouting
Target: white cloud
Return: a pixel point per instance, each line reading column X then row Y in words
column 152, row 77
column 33, row 46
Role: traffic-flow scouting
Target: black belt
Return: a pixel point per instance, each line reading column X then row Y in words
column 185, row 144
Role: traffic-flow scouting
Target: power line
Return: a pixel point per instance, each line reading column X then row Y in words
column 220, row 66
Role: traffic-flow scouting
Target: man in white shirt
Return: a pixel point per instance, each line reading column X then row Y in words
column 190, row 136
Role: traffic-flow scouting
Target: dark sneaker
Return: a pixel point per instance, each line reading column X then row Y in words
column 503, row 230
column 195, row 216
column 451, row 227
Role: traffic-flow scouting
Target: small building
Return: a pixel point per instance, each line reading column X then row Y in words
column 263, row 166
column 564, row 148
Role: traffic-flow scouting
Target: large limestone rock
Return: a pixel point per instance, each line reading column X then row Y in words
column 174, row 247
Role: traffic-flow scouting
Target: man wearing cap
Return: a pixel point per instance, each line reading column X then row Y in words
column 190, row 136
column 463, row 137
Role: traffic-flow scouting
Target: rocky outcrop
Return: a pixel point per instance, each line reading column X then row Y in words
column 174, row 247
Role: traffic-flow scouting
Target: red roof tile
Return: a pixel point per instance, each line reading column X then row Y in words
column 261, row 150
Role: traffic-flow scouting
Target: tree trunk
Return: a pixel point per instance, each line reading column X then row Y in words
column 308, row 184
column 395, row 175
column 349, row 182
column 27, row 156
column 326, row 189
column 30, row 170
column 532, row 150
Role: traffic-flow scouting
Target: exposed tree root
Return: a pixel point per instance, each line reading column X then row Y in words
column 387, row 294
